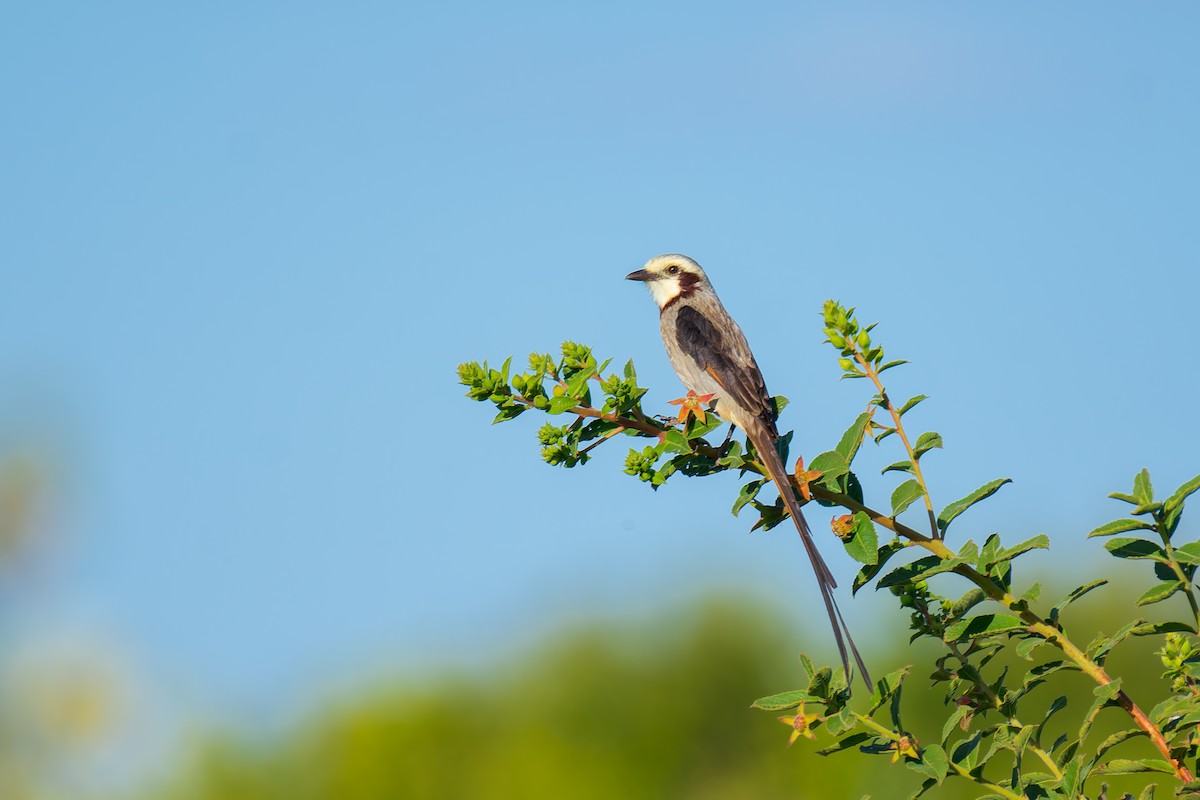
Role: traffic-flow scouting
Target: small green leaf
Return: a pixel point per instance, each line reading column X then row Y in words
column 1114, row 740
column 933, row 763
column 852, row 438
column 1120, row 526
column 1142, row 489
column 982, row 625
column 831, row 464
column 1188, row 553
column 909, row 572
column 675, row 442
column 891, row 364
column 1128, row 547
column 747, row 493
column 853, row 740
column 868, row 572
column 819, row 685
column 885, row 688
column 899, row 466
column 935, row 757
column 1039, row 542
column 955, row 721
column 1154, row 628
column 1156, row 594
column 1078, row 592
column 904, row 496
column 561, row 403
column 1181, row 494
column 863, row 542
column 1128, row 498
column 926, row 442
column 783, row 700
column 959, row 506
column 911, row 403
column 1125, row 766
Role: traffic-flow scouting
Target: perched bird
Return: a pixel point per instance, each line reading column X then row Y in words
column 711, row 356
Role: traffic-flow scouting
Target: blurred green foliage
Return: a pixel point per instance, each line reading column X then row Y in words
column 653, row 709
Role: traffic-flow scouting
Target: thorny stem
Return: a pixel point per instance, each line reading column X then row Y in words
column 993, row 590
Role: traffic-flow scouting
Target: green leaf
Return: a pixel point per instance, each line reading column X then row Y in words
column 1188, row 553
column 783, row 700
column 1125, row 766
column 852, row 438
column 1120, row 526
column 1039, row 542
column 1076, row 593
column 863, row 542
column 933, row 764
column 1181, row 494
column 926, row 442
column 832, row 465
column 868, row 572
column 1128, row 498
column 1114, row 740
column 1128, row 547
column 910, row 572
column 853, row 740
column 1153, row 628
column 577, row 385
column 561, row 403
column 959, row 506
column 780, row 402
column 675, row 442
column 904, row 496
column 982, row 625
column 819, row 685
column 1156, row 594
column 899, row 466
column 747, row 493
column 1142, row 489
column 885, row 688
column 891, row 364
column 955, row 720
column 911, row 403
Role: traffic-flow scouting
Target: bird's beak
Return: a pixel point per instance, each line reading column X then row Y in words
column 639, row 275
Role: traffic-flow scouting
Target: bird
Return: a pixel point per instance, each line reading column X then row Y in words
column 711, row 356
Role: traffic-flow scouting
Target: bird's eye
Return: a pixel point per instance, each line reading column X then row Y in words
column 671, row 270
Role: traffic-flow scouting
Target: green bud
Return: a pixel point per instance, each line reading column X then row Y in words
column 863, row 340
column 846, row 364
column 836, row 339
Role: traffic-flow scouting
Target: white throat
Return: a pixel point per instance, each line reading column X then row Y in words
column 664, row 290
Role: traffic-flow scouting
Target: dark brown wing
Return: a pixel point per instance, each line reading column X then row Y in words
column 727, row 358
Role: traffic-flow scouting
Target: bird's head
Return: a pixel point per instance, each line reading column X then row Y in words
column 671, row 277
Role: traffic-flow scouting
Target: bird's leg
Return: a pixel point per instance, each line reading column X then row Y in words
column 728, row 438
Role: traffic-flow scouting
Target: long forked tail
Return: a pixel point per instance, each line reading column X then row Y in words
column 766, row 451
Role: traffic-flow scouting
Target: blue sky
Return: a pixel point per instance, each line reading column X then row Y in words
column 245, row 247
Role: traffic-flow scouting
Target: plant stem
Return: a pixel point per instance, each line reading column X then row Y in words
column 873, row 374
column 1188, row 589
